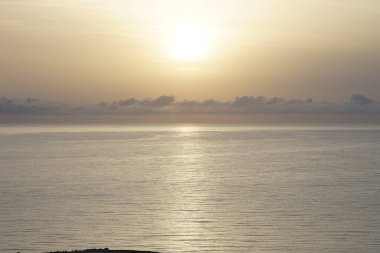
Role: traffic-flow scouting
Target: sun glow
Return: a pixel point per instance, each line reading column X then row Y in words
column 189, row 43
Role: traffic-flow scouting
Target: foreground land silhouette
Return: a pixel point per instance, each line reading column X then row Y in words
column 106, row 250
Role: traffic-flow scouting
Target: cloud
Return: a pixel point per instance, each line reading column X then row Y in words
column 248, row 101
column 360, row 100
column 162, row 101
column 243, row 105
column 28, row 106
column 127, row 102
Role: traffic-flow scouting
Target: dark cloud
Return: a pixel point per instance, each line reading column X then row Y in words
column 103, row 104
column 358, row 104
column 276, row 100
column 360, row 100
column 29, row 106
column 248, row 101
column 162, row 101
column 127, row 102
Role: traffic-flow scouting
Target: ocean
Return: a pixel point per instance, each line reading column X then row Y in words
column 190, row 188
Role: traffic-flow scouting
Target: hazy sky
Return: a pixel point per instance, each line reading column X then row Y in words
column 92, row 50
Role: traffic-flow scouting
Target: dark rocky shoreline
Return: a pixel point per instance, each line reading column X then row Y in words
column 106, row 250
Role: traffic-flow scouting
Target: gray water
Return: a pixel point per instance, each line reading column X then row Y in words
column 200, row 188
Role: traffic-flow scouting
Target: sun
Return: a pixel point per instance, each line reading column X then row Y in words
column 188, row 43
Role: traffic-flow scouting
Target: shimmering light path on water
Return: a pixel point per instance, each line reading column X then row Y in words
column 174, row 188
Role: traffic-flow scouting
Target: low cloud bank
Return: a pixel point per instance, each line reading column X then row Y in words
column 245, row 105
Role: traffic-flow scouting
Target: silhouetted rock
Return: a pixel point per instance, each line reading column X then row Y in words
column 106, row 250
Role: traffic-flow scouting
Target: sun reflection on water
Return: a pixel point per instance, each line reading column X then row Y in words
column 188, row 217
column 188, row 129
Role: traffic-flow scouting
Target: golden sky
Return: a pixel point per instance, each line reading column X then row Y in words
column 92, row 50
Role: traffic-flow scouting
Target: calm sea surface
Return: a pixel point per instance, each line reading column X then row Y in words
column 190, row 188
